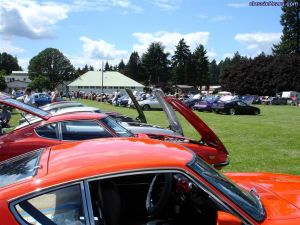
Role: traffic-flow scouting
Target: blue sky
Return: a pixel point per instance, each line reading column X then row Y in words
column 92, row 31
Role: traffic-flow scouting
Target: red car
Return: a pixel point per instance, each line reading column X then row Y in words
column 128, row 181
column 51, row 130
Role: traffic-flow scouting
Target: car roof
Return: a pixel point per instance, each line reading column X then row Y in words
column 60, row 103
column 85, row 159
column 109, row 155
column 76, row 109
column 65, row 117
column 76, row 116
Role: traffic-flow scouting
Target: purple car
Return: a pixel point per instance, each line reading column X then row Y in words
column 205, row 104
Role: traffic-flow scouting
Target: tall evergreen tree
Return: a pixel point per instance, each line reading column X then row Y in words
column 290, row 20
column 156, row 64
column 179, row 63
column 134, row 68
column 201, row 65
column 121, row 67
column 3, row 84
column 214, row 72
column 107, row 67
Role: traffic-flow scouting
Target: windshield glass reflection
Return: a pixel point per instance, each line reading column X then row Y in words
column 241, row 197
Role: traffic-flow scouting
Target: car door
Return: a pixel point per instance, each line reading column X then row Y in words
column 31, row 139
column 241, row 107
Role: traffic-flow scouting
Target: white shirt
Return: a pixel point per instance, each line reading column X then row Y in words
column 28, row 99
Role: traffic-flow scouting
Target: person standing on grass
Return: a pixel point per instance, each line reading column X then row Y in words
column 28, row 98
column 54, row 95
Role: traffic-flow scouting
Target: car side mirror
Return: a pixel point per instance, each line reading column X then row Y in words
column 225, row 218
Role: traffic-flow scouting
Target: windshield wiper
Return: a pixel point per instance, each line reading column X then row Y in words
column 254, row 193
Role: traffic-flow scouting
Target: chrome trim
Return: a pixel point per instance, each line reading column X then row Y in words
column 222, row 164
column 89, row 203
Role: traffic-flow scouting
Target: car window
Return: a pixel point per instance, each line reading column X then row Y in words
column 115, row 126
column 48, row 131
column 241, row 104
column 62, row 206
column 19, row 168
column 241, row 197
column 83, row 130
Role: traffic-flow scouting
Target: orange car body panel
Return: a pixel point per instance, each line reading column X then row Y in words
column 79, row 160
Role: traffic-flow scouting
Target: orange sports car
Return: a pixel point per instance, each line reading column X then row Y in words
column 134, row 181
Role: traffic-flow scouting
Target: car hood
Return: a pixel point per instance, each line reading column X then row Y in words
column 141, row 117
column 172, row 118
column 280, row 193
column 208, row 136
column 7, row 100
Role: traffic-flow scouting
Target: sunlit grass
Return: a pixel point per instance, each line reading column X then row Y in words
column 269, row 142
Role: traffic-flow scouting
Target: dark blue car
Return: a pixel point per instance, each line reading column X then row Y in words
column 41, row 99
column 205, row 104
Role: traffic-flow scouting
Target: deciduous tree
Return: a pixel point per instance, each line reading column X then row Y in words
column 53, row 65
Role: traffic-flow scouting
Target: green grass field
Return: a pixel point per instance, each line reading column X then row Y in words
column 269, row 142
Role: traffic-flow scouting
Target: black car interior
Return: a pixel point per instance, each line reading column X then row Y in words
column 151, row 199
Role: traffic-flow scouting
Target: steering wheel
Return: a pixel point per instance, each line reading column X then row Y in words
column 159, row 193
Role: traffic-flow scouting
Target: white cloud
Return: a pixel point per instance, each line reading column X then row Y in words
column 167, row 5
column 23, row 62
column 238, row 5
column 30, row 19
column 258, row 42
column 36, row 20
column 96, row 51
column 169, row 40
column 7, row 46
column 211, row 55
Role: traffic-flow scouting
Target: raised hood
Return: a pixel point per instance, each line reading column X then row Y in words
column 172, row 118
column 141, row 117
column 8, row 101
column 208, row 136
column 280, row 193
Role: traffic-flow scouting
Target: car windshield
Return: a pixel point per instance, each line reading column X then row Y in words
column 115, row 126
column 248, row 202
column 19, row 168
column 24, row 107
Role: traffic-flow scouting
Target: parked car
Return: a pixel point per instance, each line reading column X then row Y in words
column 176, row 133
column 234, row 107
column 139, row 181
column 149, row 103
column 191, row 101
column 122, row 101
column 49, row 130
column 205, row 104
column 41, row 99
column 52, row 108
column 278, row 101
